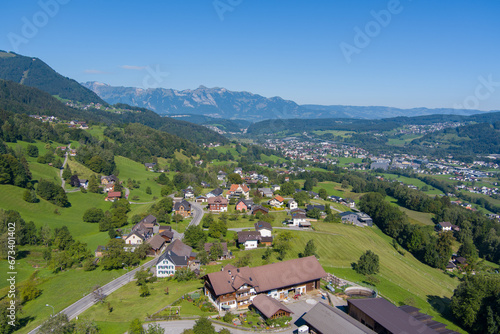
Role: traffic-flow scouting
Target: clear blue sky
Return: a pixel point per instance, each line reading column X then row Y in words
column 430, row 54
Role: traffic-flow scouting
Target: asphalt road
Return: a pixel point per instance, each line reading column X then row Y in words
column 83, row 304
column 64, row 164
column 197, row 216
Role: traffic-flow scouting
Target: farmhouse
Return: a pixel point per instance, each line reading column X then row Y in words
column 265, row 192
column 217, row 204
column 183, row 208
column 177, row 255
column 215, row 193
column 84, row 183
column 157, row 244
column 108, row 179
column 237, row 287
column 150, row 165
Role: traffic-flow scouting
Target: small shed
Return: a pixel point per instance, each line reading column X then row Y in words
column 270, row 308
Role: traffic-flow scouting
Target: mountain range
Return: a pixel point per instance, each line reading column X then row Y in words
column 223, row 103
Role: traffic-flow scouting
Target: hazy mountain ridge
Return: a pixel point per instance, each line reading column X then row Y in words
column 222, row 103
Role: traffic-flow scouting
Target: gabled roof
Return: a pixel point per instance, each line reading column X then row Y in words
column 268, row 306
column 217, row 192
column 207, row 246
column 179, row 248
column 149, row 219
column 262, row 225
column 167, row 233
column 137, row 233
column 234, row 187
column 330, row 320
column 389, row 316
column 445, row 224
column 156, row 242
column 182, row 204
column 260, row 207
column 268, row 277
column 347, row 213
column 244, row 236
column 115, row 194
column 279, row 198
column 217, row 200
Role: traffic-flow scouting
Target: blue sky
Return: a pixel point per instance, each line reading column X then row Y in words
column 425, row 54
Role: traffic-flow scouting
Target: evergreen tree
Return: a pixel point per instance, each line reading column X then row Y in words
column 94, row 185
column 67, row 173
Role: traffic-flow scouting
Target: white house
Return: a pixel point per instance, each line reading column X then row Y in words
column 134, row 238
column 168, row 263
column 264, row 228
column 444, row 226
column 250, row 239
column 298, row 219
column 293, row 205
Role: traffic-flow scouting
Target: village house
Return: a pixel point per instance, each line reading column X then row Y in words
column 188, row 193
column 150, row 165
column 177, row 255
column 277, row 201
column 217, row 204
column 292, row 205
column 239, row 190
column 134, row 238
column 225, row 253
column 201, row 199
column 259, row 208
column 270, row 308
column 183, row 208
column 356, row 218
column 244, row 205
column 249, row 239
column 215, row 193
column 444, row 226
column 265, row 192
column 108, row 187
column 111, row 179
column 113, row 196
column 157, row 244
column 264, row 228
column 236, row 288
column 299, row 219
column 84, row 183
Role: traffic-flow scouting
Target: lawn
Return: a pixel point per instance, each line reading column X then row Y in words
column 130, row 169
column 128, row 305
column 413, row 181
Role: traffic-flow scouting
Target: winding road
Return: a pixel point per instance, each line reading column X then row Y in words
column 86, row 302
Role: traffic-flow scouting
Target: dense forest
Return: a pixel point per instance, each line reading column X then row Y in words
column 26, row 100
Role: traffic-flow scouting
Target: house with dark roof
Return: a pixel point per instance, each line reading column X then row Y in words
column 259, row 208
column 299, row 219
column 183, row 208
column 444, row 226
column 157, row 244
column 150, row 165
column 382, row 316
column 325, row 319
column 237, row 287
column 356, row 218
column 264, row 228
column 214, row 193
column 269, row 307
column 250, row 239
column 244, row 205
column 83, row 183
column 177, row 255
column 111, row 179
